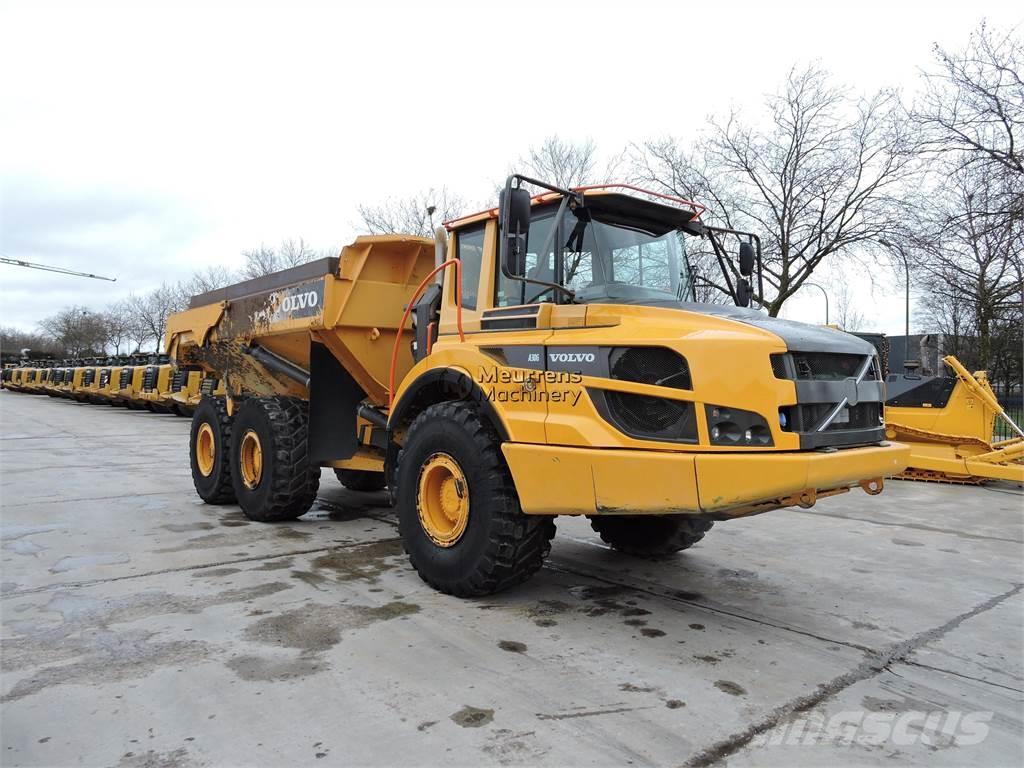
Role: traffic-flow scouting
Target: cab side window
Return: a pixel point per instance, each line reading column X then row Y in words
column 539, row 266
column 469, row 249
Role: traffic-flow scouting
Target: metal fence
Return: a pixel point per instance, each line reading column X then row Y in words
column 1014, row 408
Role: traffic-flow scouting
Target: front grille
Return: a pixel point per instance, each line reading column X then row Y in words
column 654, row 418
column 88, row 377
column 104, row 378
column 650, row 365
column 149, row 378
column 126, row 377
column 820, row 366
column 207, row 386
column 178, row 380
column 806, row 418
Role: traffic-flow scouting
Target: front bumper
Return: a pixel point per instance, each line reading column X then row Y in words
column 556, row 480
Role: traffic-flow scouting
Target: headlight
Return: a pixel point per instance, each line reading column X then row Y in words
column 732, row 426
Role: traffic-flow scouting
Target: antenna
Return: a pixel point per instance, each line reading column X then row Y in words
column 58, row 270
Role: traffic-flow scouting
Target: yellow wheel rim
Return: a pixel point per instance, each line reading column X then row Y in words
column 206, row 449
column 251, row 459
column 442, row 499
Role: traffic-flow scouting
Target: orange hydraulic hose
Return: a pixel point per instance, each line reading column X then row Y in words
column 408, row 310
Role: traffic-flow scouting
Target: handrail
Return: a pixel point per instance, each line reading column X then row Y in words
column 408, row 311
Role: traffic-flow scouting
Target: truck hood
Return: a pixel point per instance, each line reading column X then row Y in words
column 798, row 337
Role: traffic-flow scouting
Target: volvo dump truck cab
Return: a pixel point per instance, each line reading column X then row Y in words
column 555, row 364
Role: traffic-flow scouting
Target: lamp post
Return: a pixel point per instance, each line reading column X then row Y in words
column 906, row 267
column 823, row 293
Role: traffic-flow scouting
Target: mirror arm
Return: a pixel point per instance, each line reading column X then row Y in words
column 722, row 262
column 503, row 218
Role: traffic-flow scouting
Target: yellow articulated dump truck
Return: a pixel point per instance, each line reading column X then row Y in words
column 542, row 358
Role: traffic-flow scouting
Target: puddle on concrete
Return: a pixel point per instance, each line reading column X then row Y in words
column 733, row 689
column 83, row 648
column 513, row 646
column 472, row 717
column 362, row 561
column 216, row 572
column 257, row 668
column 186, row 527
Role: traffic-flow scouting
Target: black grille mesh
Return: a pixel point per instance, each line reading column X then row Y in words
column 88, row 377
column 178, row 380
column 654, row 417
column 650, row 365
column 149, row 378
column 805, row 418
column 822, row 366
column 207, row 386
column 126, row 377
column 104, row 378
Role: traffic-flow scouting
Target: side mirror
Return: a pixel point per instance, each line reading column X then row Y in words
column 746, row 259
column 743, row 293
column 515, row 228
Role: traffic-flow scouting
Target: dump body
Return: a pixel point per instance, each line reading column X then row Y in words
column 351, row 305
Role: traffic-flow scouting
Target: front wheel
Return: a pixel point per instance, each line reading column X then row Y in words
column 208, row 446
column 458, row 511
column 651, row 536
column 273, row 477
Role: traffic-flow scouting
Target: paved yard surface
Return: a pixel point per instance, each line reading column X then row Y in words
column 141, row 627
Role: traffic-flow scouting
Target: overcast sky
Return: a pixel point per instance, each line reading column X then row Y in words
column 144, row 140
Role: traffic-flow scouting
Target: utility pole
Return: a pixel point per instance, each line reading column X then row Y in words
column 823, row 293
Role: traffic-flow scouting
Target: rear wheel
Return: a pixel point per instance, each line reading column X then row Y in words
column 458, row 512
column 273, row 478
column 651, row 536
column 360, row 480
column 209, row 451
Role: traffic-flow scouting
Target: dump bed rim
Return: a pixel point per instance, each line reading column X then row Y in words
column 275, row 280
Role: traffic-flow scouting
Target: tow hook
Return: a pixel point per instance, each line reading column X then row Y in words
column 872, row 487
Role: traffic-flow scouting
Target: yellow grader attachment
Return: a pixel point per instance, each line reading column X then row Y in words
column 948, row 424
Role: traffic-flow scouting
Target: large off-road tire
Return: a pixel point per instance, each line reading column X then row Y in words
column 209, row 449
column 651, row 536
column 270, row 466
column 360, row 480
column 458, row 511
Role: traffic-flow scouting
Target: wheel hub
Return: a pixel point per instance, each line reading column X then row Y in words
column 442, row 499
column 251, row 460
column 206, row 449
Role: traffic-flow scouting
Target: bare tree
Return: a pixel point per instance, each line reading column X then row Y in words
column 966, row 228
column 972, row 107
column 819, row 179
column 208, row 279
column 117, row 319
column 77, row 330
column 847, row 315
column 149, row 313
column 969, row 262
column 415, row 215
column 265, row 260
column 13, row 340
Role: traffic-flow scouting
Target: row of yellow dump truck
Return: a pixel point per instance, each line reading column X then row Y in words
column 143, row 382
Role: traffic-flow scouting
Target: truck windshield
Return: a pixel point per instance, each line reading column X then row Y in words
column 603, row 262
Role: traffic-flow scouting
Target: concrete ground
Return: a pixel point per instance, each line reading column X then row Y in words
column 141, row 627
